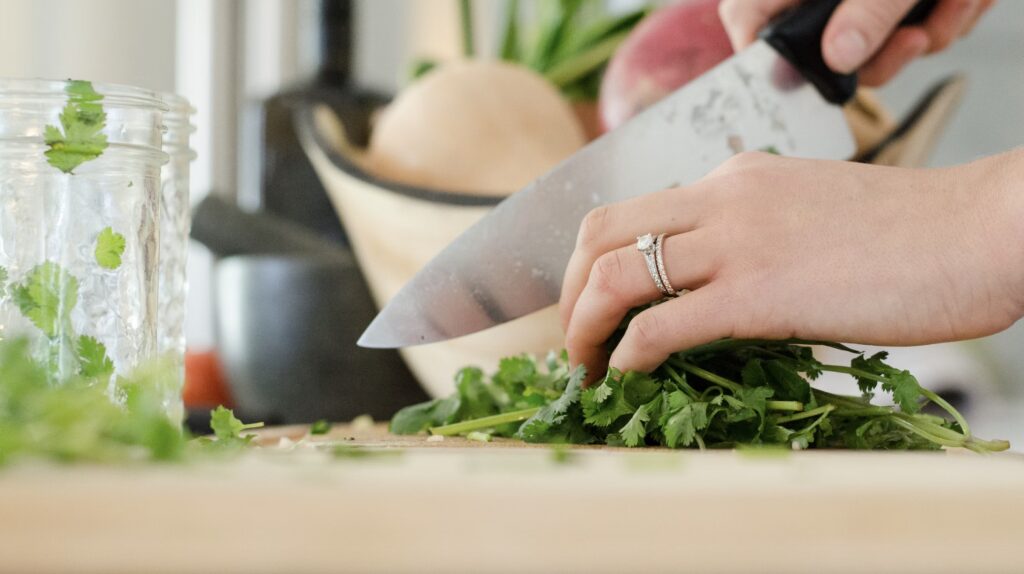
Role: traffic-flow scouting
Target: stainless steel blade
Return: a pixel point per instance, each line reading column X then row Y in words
column 512, row 261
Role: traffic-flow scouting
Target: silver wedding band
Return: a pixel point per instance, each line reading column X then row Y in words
column 653, row 250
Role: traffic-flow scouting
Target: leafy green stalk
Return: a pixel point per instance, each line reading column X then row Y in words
column 483, row 422
column 466, row 20
column 574, row 68
column 510, row 50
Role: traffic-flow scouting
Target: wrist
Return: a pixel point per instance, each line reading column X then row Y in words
column 998, row 184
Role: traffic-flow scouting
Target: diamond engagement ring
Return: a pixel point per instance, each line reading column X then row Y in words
column 651, row 247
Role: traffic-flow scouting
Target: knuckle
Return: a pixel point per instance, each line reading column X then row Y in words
column 593, row 226
column 728, row 11
column 742, row 161
column 574, row 340
column 646, row 331
column 874, row 19
column 606, row 273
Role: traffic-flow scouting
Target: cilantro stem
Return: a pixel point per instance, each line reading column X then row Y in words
column 709, row 376
column 790, row 406
column 681, row 382
column 925, row 434
column 935, row 398
column 732, row 344
column 484, row 422
column 931, row 396
column 805, row 415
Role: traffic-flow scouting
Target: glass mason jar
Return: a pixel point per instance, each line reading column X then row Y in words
column 79, row 224
column 175, row 223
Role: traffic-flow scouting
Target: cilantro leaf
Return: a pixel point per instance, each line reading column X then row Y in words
column 634, row 431
column 92, row 358
column 228, row 429
column 418, row 418
column 639, row 388
column 605, row 403
column 549, row 418
column 82, row 120
column 906, row 391
column 682, row 426
column 785, row 379
column 320, row 427
column 46, row 297
column 109, row 248
column 475, row 399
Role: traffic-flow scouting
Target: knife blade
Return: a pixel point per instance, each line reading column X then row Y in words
column 777, row 94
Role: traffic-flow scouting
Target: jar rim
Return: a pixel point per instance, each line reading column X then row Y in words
column 114, row 95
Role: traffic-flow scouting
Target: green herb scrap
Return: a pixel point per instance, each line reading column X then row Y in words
column 320, row 427
column 109, row 248
column 228, row 429
column 727, row 394
column 82, row 122
column 46, row 297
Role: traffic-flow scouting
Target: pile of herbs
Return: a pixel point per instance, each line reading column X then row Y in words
column 726, row 394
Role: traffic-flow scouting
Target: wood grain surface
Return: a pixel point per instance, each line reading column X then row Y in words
column 394, row 504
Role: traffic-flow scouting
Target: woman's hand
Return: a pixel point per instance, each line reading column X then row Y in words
column 862, row 34
column 776, row 247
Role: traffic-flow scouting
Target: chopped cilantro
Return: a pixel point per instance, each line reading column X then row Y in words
column 320, row 427
column 109, row 248
column 46, row 297
column 82, row 122
column 92, row 358
column 228, row 429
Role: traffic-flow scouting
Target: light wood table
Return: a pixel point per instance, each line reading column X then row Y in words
column 463, row 506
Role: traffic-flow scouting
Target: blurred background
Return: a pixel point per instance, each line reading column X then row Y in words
column 276, row 297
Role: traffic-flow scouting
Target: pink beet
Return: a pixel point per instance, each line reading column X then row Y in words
column 668, row 49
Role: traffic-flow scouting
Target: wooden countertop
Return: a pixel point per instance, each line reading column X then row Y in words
column 464, row 506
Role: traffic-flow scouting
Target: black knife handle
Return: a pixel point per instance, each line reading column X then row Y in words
column 796, row 35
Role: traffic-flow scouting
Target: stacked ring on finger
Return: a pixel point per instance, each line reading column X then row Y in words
column 653, row 251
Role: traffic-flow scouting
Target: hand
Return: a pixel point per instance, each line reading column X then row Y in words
column 776, row 247
column 862, row 33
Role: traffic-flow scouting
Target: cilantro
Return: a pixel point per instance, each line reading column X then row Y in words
column 82, row 120
column 682, row 427
column 109, row 248
column 228, row 429
column 418, row 418
column 320, row 427
column 606, row 403
column 634, row 431
column 550, row 418
column 93, row 360
column 46, row 297
column 479, row 436
column 726, row 394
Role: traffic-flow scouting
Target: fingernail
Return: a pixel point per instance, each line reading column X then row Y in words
column 849, row 50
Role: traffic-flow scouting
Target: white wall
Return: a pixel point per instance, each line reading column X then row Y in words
column 121, row 41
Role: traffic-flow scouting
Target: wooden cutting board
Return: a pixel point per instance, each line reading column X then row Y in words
column 463, row 506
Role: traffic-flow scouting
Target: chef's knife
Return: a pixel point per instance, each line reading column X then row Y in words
column 778, row 95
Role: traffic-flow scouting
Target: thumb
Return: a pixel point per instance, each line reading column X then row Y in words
column 858, row 29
